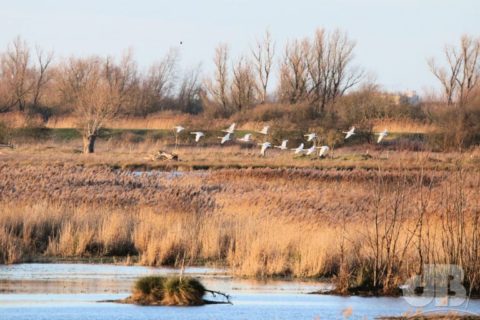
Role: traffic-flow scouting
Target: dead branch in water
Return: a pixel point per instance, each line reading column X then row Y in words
column 226, row 296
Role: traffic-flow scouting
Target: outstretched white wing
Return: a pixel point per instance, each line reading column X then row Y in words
column 299, row 149
column 264, row 130
column 310, row 150
column 311, row 136
column 230, row 129
column 349, row 133
column 225, row 138
column 198, row 135
column 179, row 129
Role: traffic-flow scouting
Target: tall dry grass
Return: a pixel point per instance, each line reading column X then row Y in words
column 366, row 228
column 403, row 126
column 166, row 120
column 283, row 116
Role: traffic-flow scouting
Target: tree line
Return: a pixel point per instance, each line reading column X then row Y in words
column 317, row 70
column 315, row 75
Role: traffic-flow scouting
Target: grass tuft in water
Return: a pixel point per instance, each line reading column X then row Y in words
column 172, row 291
column 183, row 291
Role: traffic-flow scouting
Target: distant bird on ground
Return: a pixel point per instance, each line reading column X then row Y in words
column 283, row 146
column 265, row 146
column 349, row 133
column 382, row 135
column 246, row 138
column 299, row 149
column 311, row 136
column 310, row 150
column 230, row 129
column 264, row 130
column 198, row 135
column 323, row 151
column 225, row 138
column 178, row 129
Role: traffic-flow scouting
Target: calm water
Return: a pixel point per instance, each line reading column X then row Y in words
column 72, row 291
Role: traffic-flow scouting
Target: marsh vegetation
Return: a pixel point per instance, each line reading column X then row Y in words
column 365, row 228
column 367, row 217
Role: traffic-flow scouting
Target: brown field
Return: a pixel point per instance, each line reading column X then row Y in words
column 340, row 217
column 120, row 153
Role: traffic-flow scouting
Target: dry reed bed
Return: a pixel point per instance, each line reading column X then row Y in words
column 259, row 222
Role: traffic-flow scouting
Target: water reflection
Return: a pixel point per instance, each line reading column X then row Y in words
column 72, row 291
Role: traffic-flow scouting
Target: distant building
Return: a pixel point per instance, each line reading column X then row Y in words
column 409, row 97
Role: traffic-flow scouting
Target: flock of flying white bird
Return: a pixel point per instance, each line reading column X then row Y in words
column 310, row 137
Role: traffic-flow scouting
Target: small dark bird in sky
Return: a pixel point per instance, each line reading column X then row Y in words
column 181, row 42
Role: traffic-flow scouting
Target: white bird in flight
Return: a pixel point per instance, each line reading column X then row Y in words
column 311, row 136
column 198, row 135
column 283, row 146
column 225, row 138
column 323, row 151
column 230, row 129
column 382, row 135
column 349, row 133
column 264, row 130
column 246, row 138
column 179, row 129
column 299, row 149
column 265, row 146
column 310, row 150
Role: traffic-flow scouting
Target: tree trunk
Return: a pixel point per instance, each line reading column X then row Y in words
column 89, row 143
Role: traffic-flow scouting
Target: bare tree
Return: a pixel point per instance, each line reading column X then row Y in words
column 16, row 70
column 294, row 72
column 460, row 76
column 218, row 87
column 23, row 80
column 97, row 89
column 188, row 97
column 263, row 54
column 329, row 60
column 243, row 85
column 470, row 73
column 319, row 70
column 447, row 77
column 387, row 239
column 157, row 85
column 42, row 76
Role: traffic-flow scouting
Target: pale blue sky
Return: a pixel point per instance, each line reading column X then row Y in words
column 394, row 37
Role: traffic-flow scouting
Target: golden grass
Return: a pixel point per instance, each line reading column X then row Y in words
column 167, row 120
column 273, row 216
column 171, row 291
column 259, row 222
column 159, row 121
column 403, row 126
